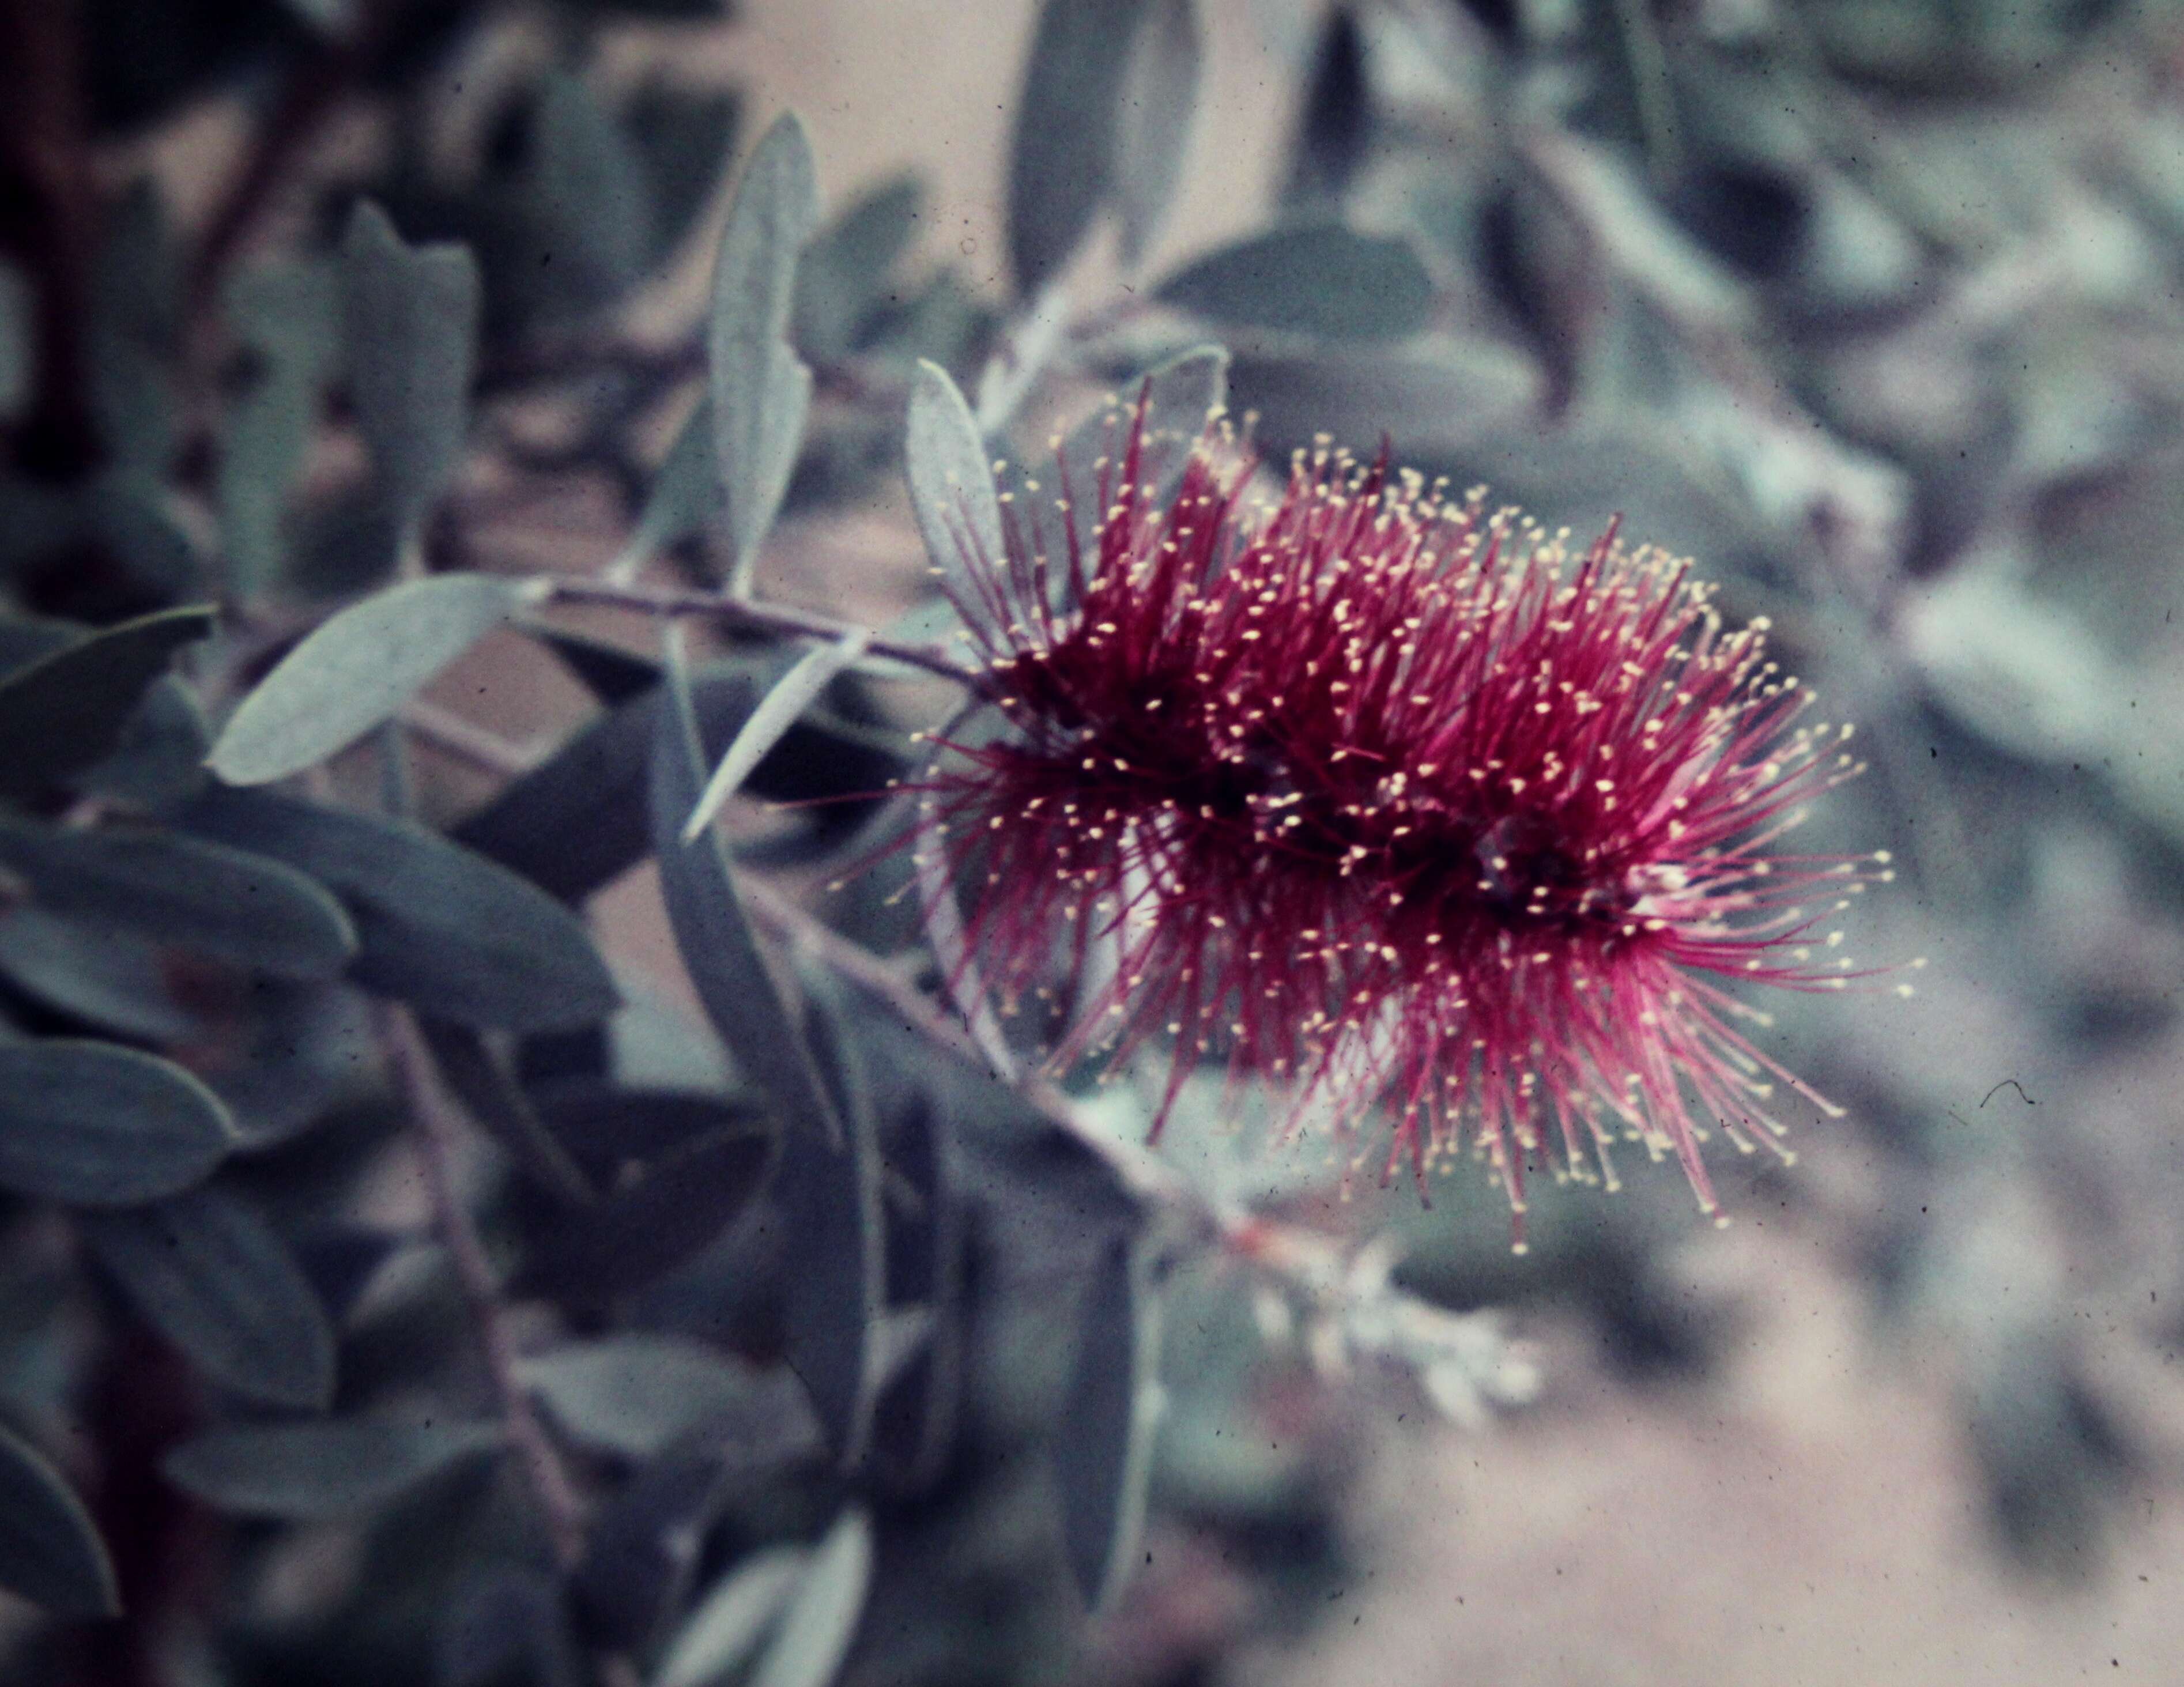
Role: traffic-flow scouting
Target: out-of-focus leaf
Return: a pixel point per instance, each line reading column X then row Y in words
column 218, row 1281
column 322, row 1470
column 678, row 1203
column 1439, row 398
column 685, row 496
column 846, row 268
column 454, row 934
column 410, row 315
column 951, row 488
column 1103, row 1451
column 285, row 317
column 636, row 1394
column 186, row 892
column 111, row 979
column 643, row 1547
column 15, row 342
column 356, row 670
column 1318, row 279
column 612, row 673
column 311, row 1046
column 50, row 1550
column 915, row 1410
column 1062, row 148
column 504, row 1619
column 498, row 1105
column 66, row 711
column 1335, row 129
column 683, row 138
column 1159, row 99
column 733, row 1619
column 587, row 196
column 96, row 1125
column 796, row 691
column 727, row 967
column 828, row 1194
column 159, row 760
column 807, row 1649
column 761, row 390
column 134, row 319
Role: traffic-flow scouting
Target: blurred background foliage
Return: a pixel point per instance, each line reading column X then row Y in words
column 413, row 1268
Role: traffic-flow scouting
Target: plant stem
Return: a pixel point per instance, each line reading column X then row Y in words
column 777, row 618
column 435, row 1136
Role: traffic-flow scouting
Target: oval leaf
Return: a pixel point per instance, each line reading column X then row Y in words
column 448, row 931
column 112, row 981
column 759, row 389
column 815, row 1634
column 1062, row 150
column 951, row 488
column 410, row 315
column 1323, row 280
column 1159, row 99
column 50, row 1552
column 355, row 670
column 217, row 1280
column 66, row 711
column 186, row 892
column 317, row 1472
column 96, row 1125
column 1104, row 1444
column 637, row 1393
column 732, row 1622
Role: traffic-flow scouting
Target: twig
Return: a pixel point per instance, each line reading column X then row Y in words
column 435, row 1136
column 780, row 618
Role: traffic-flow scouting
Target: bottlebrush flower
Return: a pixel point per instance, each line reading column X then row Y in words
column 1398, row 803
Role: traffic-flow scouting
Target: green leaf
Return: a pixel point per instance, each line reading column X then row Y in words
column 50, row 1551
column 454, row 934
column 110, row 980
column 587, row 196
column 96, row 1125
column 133, row 321
column 816, row 1630
column 1443, row 396
column 1062, row 152
column 356, row 670
column 66, row 711
column 159, row 760
column 498, row 1105
column 847, row 269
column 1104, row 1445
column 951, row 488
column 734, row 1620
column 323, row 1471
column 727, row 967
column 636, row 1394
column 410, row 317
column 286, row 319
column 217, row 1280
column 796, row 691
column 1322, row 280
column 506, row 1623
column 685, row 496
column 1159, row 99
column 761, row 390
column 183, row 891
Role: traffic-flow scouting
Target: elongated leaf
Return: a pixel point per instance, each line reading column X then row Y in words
column 355, row 670
column 822, row 1619
column 317, row 1472
column 287, row 315
column 726, row 965
column 734, row 1619
column 1062, row 152
column 1159, row 99
column 218, row 1281
column 685, row 495
column 98, row 1125
column 186, row 892
column 637, row 1393
column 410, row 315
column 112, row 981
column 1104, row 1448
column 798, row 690
column 678, row 1204
column 159, row 758
column 848, row 269
column 66, row 711
column 951, row 488
column 1318, row 279
column 50, row 1551
column 761, row 391
column 451, row 933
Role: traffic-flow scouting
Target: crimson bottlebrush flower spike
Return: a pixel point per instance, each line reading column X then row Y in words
column 1396, row 801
